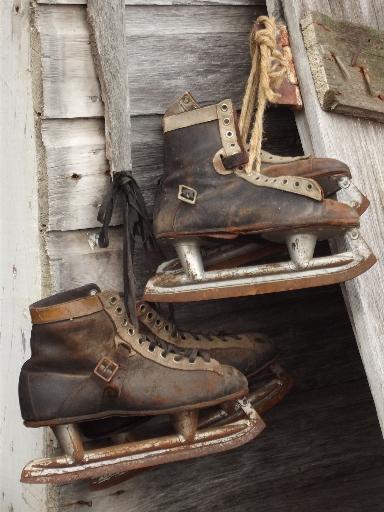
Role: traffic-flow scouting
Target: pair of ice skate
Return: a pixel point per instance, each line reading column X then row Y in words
column 92, row 359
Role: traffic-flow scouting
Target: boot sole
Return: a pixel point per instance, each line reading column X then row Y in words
column 124, row 413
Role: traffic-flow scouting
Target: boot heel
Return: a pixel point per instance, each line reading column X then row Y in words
column 188, row 251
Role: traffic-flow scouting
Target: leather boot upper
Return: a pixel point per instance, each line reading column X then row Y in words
column 225, row 205
column 248, row 352
column 88, row 361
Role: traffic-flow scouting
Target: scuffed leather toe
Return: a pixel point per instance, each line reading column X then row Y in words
column 233, row 381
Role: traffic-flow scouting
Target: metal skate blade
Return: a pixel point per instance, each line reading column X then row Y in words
column 102, row 462
column 262, row 397
column 174, row 286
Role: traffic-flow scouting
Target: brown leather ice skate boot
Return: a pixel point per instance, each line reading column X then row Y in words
column 89, row 362
column 206, row 194
column 331, row 174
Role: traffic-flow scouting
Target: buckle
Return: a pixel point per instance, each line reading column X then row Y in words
column 106, row 369
column 187, row 194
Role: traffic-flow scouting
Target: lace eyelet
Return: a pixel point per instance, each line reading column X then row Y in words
column 142, row 308
column 149, row 316
column 112, row 300
column 158, row 321
column 119, row 310
column 141, row 340
column 124, row 323
column 167, row 327
column 163, row 355
column 151, row 349
column 131, row 331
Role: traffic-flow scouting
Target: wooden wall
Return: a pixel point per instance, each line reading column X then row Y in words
column 322, row 447
column 172, row 47
column 19, row 254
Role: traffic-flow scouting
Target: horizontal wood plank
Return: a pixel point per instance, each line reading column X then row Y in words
column 70, row 86
column 161, row 2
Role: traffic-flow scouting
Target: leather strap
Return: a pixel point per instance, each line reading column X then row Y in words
column 66, row 310
column 190, row 118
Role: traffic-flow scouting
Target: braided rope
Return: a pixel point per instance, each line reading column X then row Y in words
column 267, row 72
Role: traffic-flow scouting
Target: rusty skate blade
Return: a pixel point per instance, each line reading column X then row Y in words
column 101, row 462
column 262, row 398
column 169, row 285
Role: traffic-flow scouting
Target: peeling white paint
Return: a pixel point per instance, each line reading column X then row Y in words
column 19, row 255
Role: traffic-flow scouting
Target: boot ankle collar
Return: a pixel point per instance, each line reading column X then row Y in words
column 66, row 310
column 190, row 118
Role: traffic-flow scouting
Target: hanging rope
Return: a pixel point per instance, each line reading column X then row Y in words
column 267, row 72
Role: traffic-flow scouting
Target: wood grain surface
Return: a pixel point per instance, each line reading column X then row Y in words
column 323, row 447
column 358, row 142
column 347, row 64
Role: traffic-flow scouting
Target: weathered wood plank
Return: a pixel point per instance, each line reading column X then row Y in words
column 20, row 275
column 70, row 86
column 107, row 36
column 75, row 259
column 347, row 64
column 161, row 2
column 357, row 142
column 78, row 172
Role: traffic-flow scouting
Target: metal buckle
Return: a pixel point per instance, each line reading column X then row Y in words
column 106, row 369
column 187, row 194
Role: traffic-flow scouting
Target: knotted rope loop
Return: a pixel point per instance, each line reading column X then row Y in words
column 268, row 69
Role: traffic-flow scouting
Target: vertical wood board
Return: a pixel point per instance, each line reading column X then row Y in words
column 358, row 142
column 106, row 24
column 19, row 256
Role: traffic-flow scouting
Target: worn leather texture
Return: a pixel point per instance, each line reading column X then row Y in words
column 248, row 352
column 228, row 206
column 58, row 381
column 325, row 171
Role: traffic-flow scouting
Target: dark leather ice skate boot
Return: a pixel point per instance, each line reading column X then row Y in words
column 89, row 362
column 207, row 194
column 331, row 174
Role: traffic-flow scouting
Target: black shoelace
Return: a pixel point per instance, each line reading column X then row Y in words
column 136, row 224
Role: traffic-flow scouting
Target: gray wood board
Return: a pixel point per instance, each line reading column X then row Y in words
column 171, row 49
column 161, row 2
column 358, row 142
column 106, row 21
column 322, row 444
column 347, row 64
